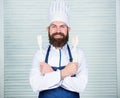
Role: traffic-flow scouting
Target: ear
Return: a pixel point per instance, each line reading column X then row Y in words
column 47, row 29
column 69, row 29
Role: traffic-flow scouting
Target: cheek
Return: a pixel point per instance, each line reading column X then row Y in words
column 52, row 31
column 64, row 32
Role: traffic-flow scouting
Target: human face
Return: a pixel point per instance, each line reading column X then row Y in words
column 58, row 27
column 58, row 34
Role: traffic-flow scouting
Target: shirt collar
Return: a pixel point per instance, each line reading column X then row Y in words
column 63, row 48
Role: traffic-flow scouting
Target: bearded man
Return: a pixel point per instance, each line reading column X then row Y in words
column 58, row 76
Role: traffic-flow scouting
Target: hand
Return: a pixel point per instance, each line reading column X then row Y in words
column 70, row 69
column 45, row 68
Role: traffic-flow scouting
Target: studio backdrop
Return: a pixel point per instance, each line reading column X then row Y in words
column 93, row 21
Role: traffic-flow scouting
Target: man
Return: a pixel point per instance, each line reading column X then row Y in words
column 57, row 76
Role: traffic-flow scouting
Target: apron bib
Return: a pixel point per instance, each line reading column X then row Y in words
column 58, row 92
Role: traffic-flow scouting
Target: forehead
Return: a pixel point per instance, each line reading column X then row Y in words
column 58, row 23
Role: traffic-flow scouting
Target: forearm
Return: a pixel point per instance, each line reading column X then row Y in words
column 69, row 70
column 64, row 74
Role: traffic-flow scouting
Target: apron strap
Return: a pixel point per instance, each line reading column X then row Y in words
column 47, row 54
column 70, row 54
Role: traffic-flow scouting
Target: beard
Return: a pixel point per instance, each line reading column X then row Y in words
column 58, row 42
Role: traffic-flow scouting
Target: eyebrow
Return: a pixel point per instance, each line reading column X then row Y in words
column 60, row 25
column 52, row 25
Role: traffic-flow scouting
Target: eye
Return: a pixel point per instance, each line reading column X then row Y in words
column 53, row 26
column 63, row 26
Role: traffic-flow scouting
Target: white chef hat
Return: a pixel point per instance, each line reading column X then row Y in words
column 59, row 11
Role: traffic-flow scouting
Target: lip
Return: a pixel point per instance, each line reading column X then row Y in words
column 58, row 36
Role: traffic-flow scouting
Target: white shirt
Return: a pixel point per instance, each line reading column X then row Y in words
column 52, row 80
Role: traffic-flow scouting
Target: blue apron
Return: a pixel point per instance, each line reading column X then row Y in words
column 58, row 92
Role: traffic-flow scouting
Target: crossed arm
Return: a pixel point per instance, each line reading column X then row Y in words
column 69, row 70
column 43, row 77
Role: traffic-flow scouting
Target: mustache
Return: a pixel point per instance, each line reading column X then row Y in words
column 57, row 33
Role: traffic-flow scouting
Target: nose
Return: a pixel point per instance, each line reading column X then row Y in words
column 58, row 29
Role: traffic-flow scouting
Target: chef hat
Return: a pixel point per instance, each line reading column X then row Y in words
column 59, row 12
